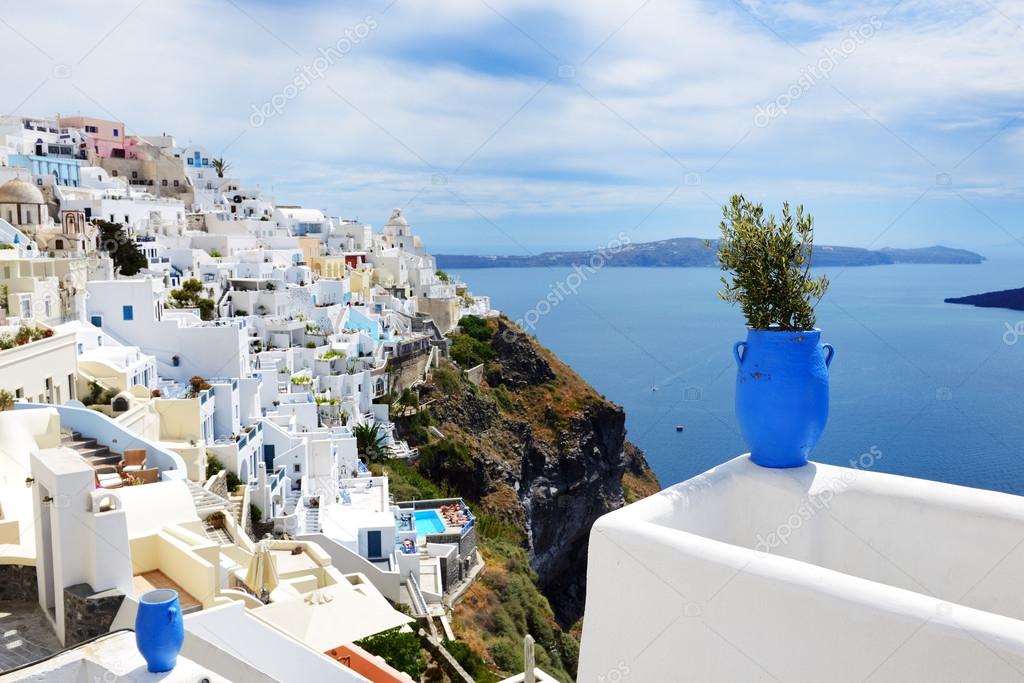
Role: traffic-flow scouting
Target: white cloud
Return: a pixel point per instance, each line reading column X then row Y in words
column 678, row 81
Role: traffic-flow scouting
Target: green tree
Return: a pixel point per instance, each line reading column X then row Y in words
column 400, row 649
column 442, row 276
column 220, row 166
column 370, row 442
column 190, row 295
column 769, row 262
column 115, row 241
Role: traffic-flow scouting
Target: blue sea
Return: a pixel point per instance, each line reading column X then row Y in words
column 935, row 388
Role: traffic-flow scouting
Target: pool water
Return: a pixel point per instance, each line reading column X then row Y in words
column 428, row 522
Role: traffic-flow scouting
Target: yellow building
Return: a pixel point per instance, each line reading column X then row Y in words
column 331, row 267
column 361, row 282
column 310, row 247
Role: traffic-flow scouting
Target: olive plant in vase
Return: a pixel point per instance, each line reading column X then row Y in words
column 782, row 367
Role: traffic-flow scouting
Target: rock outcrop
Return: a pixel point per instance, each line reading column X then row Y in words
column 538, row 447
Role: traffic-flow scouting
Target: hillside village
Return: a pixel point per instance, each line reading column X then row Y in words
column 198, row 388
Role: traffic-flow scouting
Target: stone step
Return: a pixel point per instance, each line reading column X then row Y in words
column 205, row 500
column 79, row 444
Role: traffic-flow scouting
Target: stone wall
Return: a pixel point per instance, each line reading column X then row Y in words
column 467, row 544
column 18, row 583
column 219, row 484
column 406, row 370
column 451, row 572
column 88, row 614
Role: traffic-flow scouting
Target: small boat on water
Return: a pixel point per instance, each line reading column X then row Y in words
column 680, row 428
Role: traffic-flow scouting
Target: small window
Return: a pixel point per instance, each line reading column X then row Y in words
column 297, row 467
column 114, row 173
column 127, row 313
column 96, row 320
column 176, row 182
column 164, row 182
column 135, row 174
column 116, row 133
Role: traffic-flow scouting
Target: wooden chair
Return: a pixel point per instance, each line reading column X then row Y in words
column 148, row 476
column 134, row 460
column 108, row 477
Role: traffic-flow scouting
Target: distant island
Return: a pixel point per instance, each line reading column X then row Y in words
column 693, row 252
column 1006, row 298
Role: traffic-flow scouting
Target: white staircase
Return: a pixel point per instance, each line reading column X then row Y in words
column 204, row 500
column 311, row 521
column 291, row 501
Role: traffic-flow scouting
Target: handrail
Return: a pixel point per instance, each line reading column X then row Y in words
column 96, row 424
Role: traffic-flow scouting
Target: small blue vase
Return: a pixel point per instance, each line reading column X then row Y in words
column 159, row 630
column 782, row 394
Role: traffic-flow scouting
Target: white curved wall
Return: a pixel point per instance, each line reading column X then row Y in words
column 811, row 574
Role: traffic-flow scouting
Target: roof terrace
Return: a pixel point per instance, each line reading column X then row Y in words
column 807, row 574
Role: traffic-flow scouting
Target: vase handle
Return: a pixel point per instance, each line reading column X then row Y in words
column 172, row 612
column 829, row 352
column 736, row 352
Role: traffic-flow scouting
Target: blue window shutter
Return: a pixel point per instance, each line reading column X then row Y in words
column 127, row 313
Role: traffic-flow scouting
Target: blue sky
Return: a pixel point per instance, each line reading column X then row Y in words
column 513, row 127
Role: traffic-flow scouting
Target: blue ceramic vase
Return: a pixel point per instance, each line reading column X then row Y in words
column 782, row 394
column 159, row 630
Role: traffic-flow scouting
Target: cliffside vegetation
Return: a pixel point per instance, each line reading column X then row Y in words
column 539, row 455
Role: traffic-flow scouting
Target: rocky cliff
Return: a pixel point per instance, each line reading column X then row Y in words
column 534, row 446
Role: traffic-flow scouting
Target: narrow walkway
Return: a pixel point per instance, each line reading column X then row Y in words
column 220, row 536
column 27, row 635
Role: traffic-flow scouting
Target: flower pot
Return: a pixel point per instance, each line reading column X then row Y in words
column 782, row 394
column 159, row 631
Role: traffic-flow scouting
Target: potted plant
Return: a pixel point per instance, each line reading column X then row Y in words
column 782, row 367
column 216, row 520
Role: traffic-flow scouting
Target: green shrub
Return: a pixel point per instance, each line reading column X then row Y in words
column 769, row 262
column 470, row 661
column 476, row 327
column 447, row 379
column 255, row 514
column 469, row 352
column 503, row 398
column 506, row 656
column 399, row 649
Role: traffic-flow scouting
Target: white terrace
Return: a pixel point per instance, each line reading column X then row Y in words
column 817, row 573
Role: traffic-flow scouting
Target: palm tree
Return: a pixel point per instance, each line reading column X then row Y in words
column 370, row 442
column 220, row 166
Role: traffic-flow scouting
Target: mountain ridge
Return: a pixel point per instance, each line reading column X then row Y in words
column 694, row 252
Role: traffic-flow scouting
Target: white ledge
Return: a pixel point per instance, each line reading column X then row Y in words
column 808, row 574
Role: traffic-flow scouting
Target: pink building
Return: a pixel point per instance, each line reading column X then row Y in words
column 106, row 139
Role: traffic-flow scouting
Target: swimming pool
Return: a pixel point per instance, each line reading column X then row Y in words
column 428, row 522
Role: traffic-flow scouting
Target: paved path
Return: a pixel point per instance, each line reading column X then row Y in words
column 25, row 635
